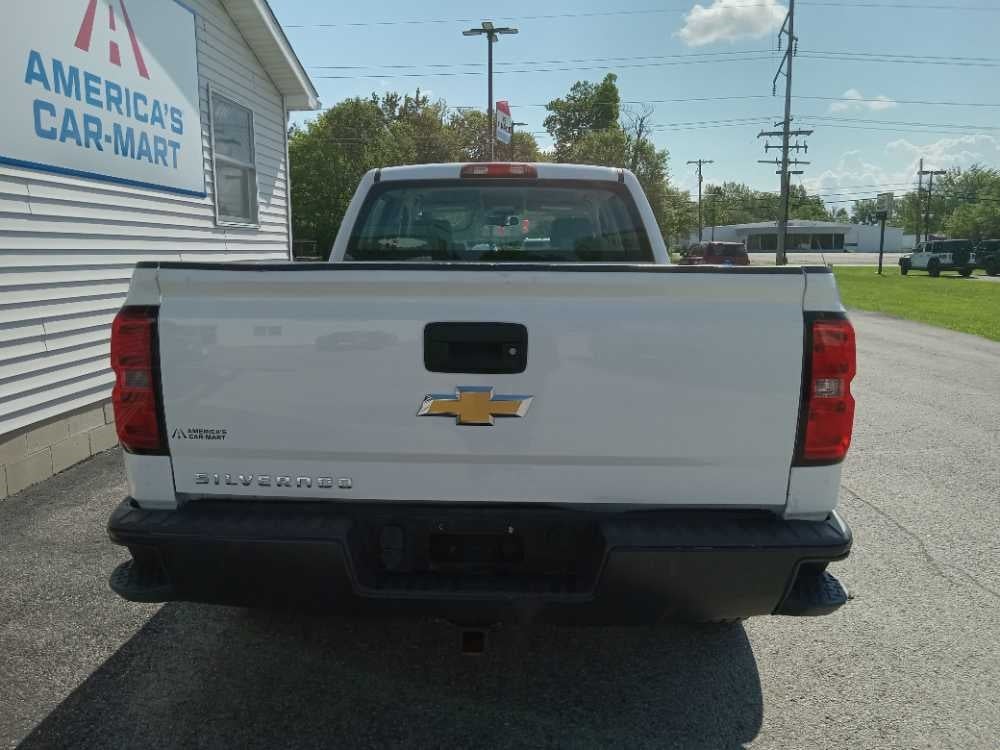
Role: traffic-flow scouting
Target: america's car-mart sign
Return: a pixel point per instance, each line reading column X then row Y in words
column 102, row 88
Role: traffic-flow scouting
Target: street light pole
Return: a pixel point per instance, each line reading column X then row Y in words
column 492, row 34
column 489, row 100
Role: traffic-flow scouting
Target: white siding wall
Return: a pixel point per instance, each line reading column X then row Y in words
column 67, row 245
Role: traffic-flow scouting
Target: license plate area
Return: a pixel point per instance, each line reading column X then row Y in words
column 491, row 550
column 456, row 552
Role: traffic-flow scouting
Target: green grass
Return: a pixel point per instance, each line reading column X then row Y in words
column 949, row 301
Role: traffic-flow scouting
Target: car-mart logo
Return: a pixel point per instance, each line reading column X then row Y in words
column 105, row 89
column 199, row 433
column 151, row 125
column 86, row 32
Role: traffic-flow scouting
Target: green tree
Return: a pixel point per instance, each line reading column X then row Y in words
column 863, row 211
column 524, row 147
column 329, row 155
column 607, row 148
column 680, row 215
column 841, row 216
column 417, row 130
column 964, row 204
column 967, row 203
column 908, row 213
column 469, row 130
column 585, row 135
column 327, row 158
column 738, row 203
column 805, row 206
column 587, row 107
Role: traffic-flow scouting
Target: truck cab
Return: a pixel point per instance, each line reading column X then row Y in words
column 935, row 256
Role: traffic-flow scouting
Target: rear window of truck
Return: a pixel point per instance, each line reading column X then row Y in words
column 496, row 221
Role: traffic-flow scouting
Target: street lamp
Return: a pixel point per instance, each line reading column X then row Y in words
column 492, row 34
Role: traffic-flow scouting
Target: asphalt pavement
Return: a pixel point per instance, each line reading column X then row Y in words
column 912, row 661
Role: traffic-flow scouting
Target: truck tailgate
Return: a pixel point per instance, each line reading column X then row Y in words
column 643, row 384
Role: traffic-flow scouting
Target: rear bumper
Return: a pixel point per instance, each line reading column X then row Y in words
column 481, row 564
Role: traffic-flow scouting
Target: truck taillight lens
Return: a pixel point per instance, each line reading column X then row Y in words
column 501, row 169
column 829, row 409
column 135, row 396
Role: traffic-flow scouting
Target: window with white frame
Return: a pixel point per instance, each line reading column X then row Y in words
column 234, row 162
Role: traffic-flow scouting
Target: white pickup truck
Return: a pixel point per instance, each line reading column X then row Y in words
column 498, row 401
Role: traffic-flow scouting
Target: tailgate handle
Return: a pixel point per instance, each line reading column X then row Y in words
column 486, row 348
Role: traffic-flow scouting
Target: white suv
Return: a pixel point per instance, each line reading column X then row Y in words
column 935, row 256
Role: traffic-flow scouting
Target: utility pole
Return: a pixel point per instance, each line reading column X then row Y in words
column 788, row 30
column 920, row 198
column 930, row 192
column 492, row 37
column 701, row 224
column 883, row 208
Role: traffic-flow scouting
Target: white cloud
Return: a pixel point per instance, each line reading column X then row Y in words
column 728, row 20
column 959, row 151
column 853, row 100
column 854, row 176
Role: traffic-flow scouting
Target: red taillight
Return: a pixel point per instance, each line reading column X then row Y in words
column 829, row 408
column 500, row 169
column 135, row 399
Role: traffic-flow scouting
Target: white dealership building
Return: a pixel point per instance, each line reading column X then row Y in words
column 809, row 236
column 131, row 130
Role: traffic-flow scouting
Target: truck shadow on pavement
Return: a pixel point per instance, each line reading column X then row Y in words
column 214, row 676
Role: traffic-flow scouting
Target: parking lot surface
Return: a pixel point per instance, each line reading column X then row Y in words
column 913, row 660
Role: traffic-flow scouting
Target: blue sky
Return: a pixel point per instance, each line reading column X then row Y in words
column 673, row 49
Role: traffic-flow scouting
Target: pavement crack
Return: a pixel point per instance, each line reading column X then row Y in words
column 941, row 569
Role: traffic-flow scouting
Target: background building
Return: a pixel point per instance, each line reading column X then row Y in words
column 132, row 130
column 806, row 236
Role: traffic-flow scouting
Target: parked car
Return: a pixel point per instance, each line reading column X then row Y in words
column 935, row 256
column 988, row 257
column 716, row 254
column 578, row 432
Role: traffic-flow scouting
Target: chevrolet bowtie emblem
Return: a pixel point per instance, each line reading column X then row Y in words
column 474, row 405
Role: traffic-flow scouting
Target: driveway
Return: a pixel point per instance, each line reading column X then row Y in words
column 912, row 661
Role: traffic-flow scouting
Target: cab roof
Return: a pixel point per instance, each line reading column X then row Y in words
column 546, row 171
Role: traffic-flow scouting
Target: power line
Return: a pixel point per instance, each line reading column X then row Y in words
column 727, row 53
column 907, row 6
column 738, row 97
column 825, row 119
column 745, row 122
column 546, row 62
column 914, row 131
column 899, row 101
column 682, row 60
column 639, row 12
column 627, row 66
column 851, row 53
column 844, row 57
